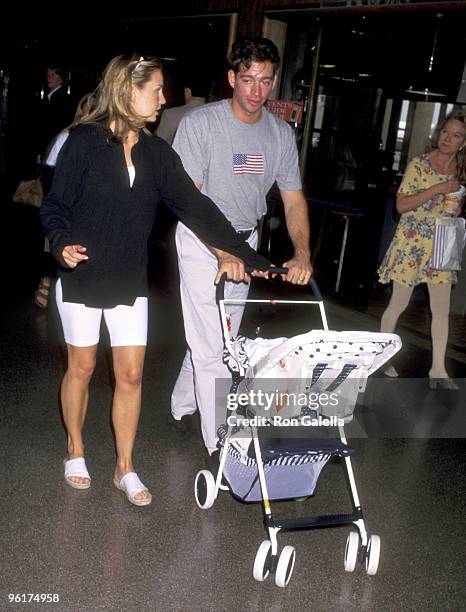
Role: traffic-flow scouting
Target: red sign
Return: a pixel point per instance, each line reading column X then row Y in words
column 288, row 110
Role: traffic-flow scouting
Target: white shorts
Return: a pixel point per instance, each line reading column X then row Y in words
column 127, row 325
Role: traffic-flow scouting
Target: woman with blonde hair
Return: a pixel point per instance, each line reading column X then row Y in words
column 420, row 201
column 110, row 176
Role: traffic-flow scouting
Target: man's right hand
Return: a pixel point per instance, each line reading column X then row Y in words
column 74, row 254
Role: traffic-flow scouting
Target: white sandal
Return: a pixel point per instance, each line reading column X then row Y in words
column 76, row 468
column 131, row 485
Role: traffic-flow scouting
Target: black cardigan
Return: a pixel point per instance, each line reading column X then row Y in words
column 91, row 203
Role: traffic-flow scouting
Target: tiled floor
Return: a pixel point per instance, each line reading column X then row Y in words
column 98, row 553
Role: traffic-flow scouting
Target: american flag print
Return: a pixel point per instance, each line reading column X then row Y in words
column 244, row 163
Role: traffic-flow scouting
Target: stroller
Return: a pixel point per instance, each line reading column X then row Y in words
column 269, row 450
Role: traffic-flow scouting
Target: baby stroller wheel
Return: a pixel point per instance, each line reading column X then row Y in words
column 351, row 551
column 262, row 561
column 373, row 555
column 285, row 566
column 204, row 489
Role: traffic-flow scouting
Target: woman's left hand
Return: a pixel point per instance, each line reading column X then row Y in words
column 232, row 266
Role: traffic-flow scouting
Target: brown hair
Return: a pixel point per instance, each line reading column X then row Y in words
column 457, row 115
column 110, row 102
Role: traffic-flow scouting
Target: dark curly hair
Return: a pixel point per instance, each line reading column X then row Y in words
column 250, row 49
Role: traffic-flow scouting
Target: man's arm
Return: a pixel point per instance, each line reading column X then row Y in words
column 297, row 223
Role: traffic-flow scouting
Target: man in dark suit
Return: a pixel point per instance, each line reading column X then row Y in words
column 57, row 108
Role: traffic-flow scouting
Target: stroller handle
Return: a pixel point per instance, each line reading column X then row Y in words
column 220, row 291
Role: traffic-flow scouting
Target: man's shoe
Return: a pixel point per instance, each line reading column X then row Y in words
column 213, row 465
column 189, row 426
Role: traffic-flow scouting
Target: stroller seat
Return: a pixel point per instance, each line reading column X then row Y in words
column 292, row 465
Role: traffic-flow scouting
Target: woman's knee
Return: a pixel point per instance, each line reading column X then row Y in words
column 439, row 298
column 128, row 363
column 81, row 363
column 401, row 296
column 130, row 375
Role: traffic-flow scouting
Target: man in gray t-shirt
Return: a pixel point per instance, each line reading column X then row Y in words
column 234, row 150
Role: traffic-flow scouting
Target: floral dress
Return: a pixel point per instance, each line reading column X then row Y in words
column 407, row 258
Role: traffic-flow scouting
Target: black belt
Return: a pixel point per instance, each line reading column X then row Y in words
column 246, row 233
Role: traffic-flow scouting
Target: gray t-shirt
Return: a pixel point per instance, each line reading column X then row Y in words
column 237, row 163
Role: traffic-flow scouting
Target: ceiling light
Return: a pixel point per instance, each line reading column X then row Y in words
column 425, row 92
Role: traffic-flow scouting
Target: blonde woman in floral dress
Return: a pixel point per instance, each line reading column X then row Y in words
column 420, row 202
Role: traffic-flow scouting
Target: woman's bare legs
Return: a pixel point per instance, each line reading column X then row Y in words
column 74, row 398
column 439, row 296
column 128, row 362
column 399, row 301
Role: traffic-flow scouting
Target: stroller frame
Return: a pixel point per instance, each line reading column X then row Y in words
column 267, row 560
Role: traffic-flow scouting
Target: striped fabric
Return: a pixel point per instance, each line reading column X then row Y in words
column 448, row 244
column 283, row 460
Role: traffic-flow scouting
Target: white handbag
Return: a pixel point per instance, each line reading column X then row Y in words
column 448, row 244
